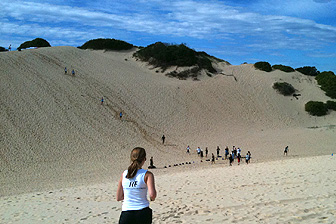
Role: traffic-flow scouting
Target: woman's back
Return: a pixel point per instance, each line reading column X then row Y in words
column 135, row 191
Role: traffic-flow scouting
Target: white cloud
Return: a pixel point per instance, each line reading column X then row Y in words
column 197, row 19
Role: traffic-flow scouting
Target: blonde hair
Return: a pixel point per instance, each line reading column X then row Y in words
column 138, row 155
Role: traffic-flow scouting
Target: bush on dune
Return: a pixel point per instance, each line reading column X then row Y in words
column 38, row 42
column 308, row 70
column 283, row 68
column 166, row 55
column 263, row 66
column 3, row 49
column 316, row 108
column 331, row 105
column 107, row 44
column 327, row 81
column 284, row 88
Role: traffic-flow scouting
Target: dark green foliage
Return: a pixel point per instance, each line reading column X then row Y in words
column 308, row 70
column 3, row 49
column 38, row 42
column 204, row 54
column 283, row 68
column 331, row 105
column 284, row 88
column 107, row 44
column 327, row 81
column 316, row 108
column 263, row 66
column 165, row 55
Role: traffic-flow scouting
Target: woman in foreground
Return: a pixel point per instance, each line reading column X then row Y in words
column 132, row 188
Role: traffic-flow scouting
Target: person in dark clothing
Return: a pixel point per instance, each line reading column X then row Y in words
column 235, row 151
column 212, row 158
column 238, row 157
column 226, row 152
column 218, row 149
column 151, row 163
column 206, row 151
column 231, row 159
column 286, row 151
column 163, row 139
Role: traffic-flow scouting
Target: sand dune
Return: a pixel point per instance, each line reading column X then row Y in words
column 56, row 134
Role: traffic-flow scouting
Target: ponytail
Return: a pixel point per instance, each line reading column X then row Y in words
column 138, row 155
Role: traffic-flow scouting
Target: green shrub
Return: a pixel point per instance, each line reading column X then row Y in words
column 3, row 49
column 283, row 68
column 316, row 108
column 284, row 88
column 331, row 105
column 308, row 70
column 165, row 55
column 327, row 81
column 38, row 42
column 263, row 66
column 107, row 44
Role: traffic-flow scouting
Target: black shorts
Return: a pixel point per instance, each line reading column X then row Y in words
column 143, row 216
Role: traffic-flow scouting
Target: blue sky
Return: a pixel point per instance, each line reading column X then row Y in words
column 295, row 33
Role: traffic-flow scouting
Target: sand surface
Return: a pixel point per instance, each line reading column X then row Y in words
column 55, row 134
column 290, row 191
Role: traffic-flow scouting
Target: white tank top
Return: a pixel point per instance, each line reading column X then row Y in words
column 135, row 191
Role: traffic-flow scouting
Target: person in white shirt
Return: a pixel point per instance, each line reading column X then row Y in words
column 239, row 151
column 133, row 186
column 198, row 151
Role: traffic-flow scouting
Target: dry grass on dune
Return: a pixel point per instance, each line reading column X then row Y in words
column 55, row 132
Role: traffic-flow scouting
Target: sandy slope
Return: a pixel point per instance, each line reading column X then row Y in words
column 55, row 133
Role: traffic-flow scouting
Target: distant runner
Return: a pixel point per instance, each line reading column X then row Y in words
column 286, row 151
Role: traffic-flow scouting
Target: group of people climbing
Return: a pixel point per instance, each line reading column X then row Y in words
column 236, row 153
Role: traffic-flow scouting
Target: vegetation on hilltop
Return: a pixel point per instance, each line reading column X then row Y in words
column 308, row 70
column 284, row 88
column 283, row 68
column 106, row 44
column 166, row 55
column 3, row 49
column 327, row 81
column 37, row 42
column 263, row 66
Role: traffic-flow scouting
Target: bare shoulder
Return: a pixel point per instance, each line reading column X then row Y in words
column 149, row 173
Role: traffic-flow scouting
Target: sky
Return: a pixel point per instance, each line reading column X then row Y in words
column 295, row 33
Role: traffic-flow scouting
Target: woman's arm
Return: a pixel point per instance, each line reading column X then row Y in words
column 120, row 190
column 149, row 179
